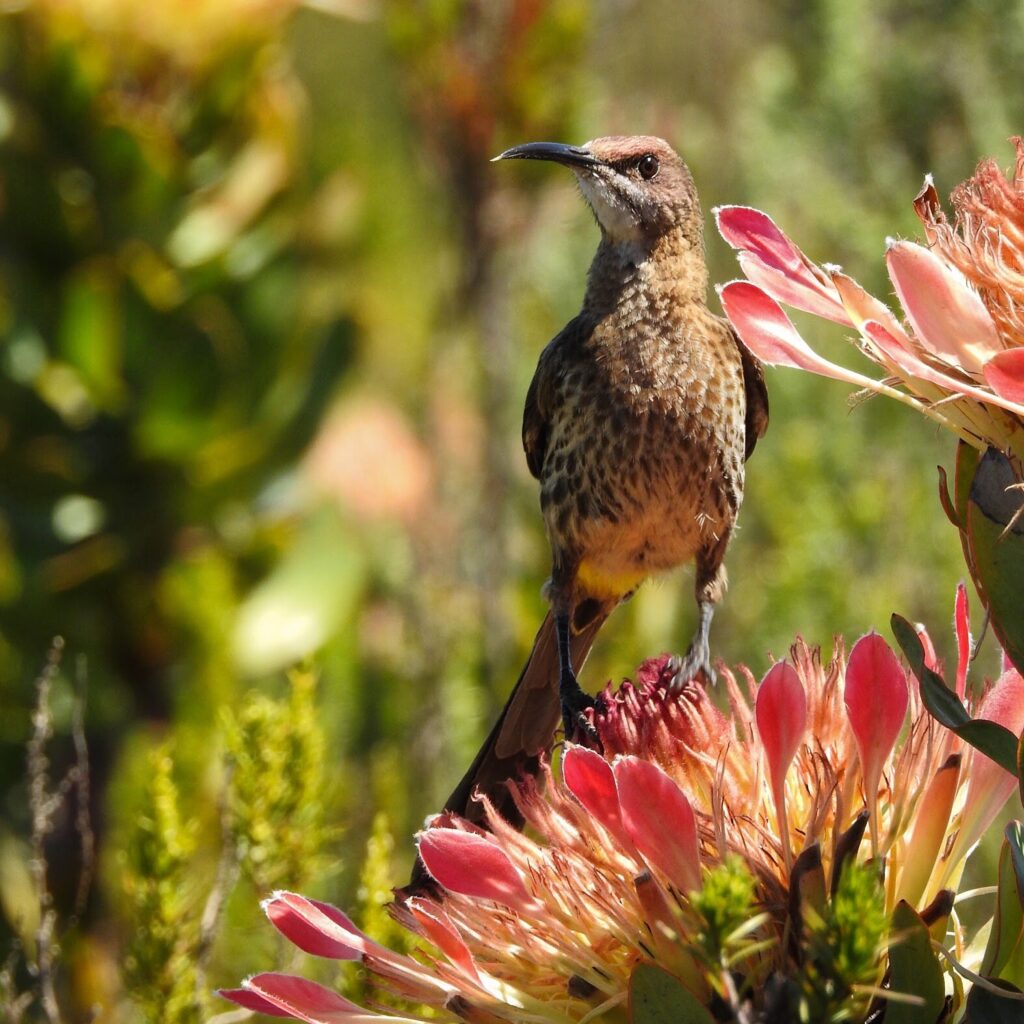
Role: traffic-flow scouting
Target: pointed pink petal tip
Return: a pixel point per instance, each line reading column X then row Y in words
column 767, row 331
column 660, row 821
column 962, row 626
column 946, row 313
column 1004, row 374
column 755, row 232
column 252, row 1001
column 764, row 326
column 1004, row 703
column 590, row 779
column 315, row 927
column 931, row 659
column 285, row 995
column 436, row 927
column 772, row 261
column 476, row 866
column 876, row 698
column 989, row 785
column 780, row 711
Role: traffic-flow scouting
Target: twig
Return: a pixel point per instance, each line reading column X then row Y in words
column 970, row 975
column 227, row 872
column 42, row 805
column 13, row 1004
column 80, row 771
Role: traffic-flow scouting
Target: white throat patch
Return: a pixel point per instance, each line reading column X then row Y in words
column 618, row 219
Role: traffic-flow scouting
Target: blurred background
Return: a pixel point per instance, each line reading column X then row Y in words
column 267, row 318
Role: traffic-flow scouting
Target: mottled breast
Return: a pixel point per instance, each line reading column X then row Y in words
column 643, row 461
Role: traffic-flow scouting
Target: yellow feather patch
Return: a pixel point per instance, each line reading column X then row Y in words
column 599, row 583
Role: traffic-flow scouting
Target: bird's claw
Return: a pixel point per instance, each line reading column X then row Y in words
column 575, row 721
column 696, row 661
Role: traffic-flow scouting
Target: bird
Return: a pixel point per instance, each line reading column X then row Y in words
column 637, row 425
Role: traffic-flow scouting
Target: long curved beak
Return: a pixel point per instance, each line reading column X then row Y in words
column 557, row 152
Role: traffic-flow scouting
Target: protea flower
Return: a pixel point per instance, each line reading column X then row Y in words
column 959, row 354
column 762, row 863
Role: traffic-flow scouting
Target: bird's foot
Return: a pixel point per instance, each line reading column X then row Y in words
column 575, row 721
column 696, row 661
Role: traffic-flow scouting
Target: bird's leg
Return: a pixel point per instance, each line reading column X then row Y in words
column 698, row 655
column 711, row 584
column 575, row 703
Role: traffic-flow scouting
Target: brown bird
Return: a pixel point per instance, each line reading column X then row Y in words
column 638, row 422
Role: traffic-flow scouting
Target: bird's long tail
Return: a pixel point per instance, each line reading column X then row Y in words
column 524, row 731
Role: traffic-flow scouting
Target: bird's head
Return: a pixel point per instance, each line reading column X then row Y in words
column 637, row 186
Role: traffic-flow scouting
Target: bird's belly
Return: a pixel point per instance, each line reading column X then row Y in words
column 616, row 555
column 628, row 512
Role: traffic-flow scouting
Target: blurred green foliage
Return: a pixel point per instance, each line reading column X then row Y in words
column 162, row 941
column 843, row 943
column 277, row 787
column 267, row 316
column 268, row 832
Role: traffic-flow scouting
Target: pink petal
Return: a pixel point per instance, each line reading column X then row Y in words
column 948, row 317
column 1004, row 374
column 876, row 704
column 894, row 348
column 315, row 927
column 436, row 927
column 474, row 866
column 251, row 1001
column 589, row 778
column 660, row 821
column 781, row 713
column 963, row 639
column 989, row 786
column 925, row 841
column 303, row 999
column 931, row 659
column 911, row 364
column 752, row 231
column 770, row 259
column 860, row 304
column 766, row 330
column 792, row 293
column 863, row 308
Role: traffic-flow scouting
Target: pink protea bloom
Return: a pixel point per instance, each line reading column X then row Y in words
column 624, row 850
column 958, row 353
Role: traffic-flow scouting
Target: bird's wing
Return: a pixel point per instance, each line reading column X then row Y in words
column 541, row 395
column 757, row 395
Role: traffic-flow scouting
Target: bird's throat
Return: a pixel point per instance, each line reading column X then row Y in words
column 668, row 268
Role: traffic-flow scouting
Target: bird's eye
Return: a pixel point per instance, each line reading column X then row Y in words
column 648, row 166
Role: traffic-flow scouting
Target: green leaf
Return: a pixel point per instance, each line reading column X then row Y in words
column 915, row 970
column 945, row 500
column 997, row 548
column 656, row 997
column 90, row 333
column 967, row 458
column 1004, row 954
column 1014, row 835
column 985, row 1007
column 305, row 600
column 991, row 738
column 955, row 507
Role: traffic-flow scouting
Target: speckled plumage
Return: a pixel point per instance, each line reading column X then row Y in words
column 639, row 419
column 635, row 428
